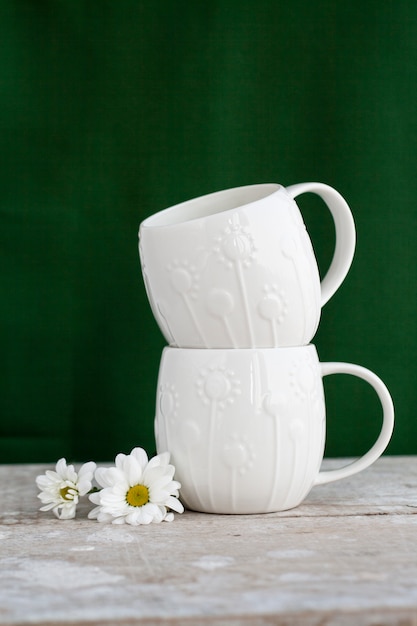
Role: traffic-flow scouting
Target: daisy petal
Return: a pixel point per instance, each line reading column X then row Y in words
column 159, row 459
column 108, row 476
column 140, row 455
column 87, row 470
column 132, row 470
column 61, row 468
column 174, row 504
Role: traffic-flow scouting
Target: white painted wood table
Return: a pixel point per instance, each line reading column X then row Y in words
column 347, row 555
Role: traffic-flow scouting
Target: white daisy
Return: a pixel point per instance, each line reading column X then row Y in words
column 60, row 489
column 136, row 491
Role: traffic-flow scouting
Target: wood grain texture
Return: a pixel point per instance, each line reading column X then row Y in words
column 347, row 555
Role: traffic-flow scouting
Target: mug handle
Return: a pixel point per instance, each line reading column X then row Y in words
column 387, row 424
column 345, row 234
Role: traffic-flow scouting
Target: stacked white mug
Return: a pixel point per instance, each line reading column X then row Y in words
column 233, row 283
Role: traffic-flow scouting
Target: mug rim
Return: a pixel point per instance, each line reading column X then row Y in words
column 201, row 207
column 213, row 351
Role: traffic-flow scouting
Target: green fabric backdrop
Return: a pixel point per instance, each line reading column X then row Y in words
column 111, row 111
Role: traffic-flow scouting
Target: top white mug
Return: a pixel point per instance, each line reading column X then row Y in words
column 236, row 268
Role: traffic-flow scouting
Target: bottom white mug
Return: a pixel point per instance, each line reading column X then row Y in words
column 246, row 427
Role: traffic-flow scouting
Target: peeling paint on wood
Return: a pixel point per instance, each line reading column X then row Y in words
column 346, row 556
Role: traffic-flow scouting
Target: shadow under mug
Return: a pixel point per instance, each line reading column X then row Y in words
column 236, row 268
column 246, row 428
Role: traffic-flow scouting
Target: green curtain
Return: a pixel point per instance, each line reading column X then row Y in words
column 112, row 110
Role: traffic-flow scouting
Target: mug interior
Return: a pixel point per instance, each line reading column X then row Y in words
column 210, row 204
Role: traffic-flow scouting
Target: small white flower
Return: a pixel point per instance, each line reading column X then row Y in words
column 136, row 491
column 60, row 489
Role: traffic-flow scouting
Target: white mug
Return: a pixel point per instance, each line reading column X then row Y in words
column 236, row 268
column 246, row 428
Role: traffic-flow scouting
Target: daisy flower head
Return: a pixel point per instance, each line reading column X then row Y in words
column 136, row 490
column 61, row 489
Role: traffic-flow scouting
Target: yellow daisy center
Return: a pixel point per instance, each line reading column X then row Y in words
column 65, row 493
column 138, row 495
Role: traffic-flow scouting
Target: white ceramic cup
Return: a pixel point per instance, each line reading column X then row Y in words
column 246, row 428
column 236, row 268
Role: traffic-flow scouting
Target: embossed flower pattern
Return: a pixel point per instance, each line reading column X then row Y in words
column 238, row 453
column 217, row 386
column 184, row 278
column 235, row 245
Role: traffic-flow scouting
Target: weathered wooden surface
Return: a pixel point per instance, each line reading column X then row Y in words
column 347, row 556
